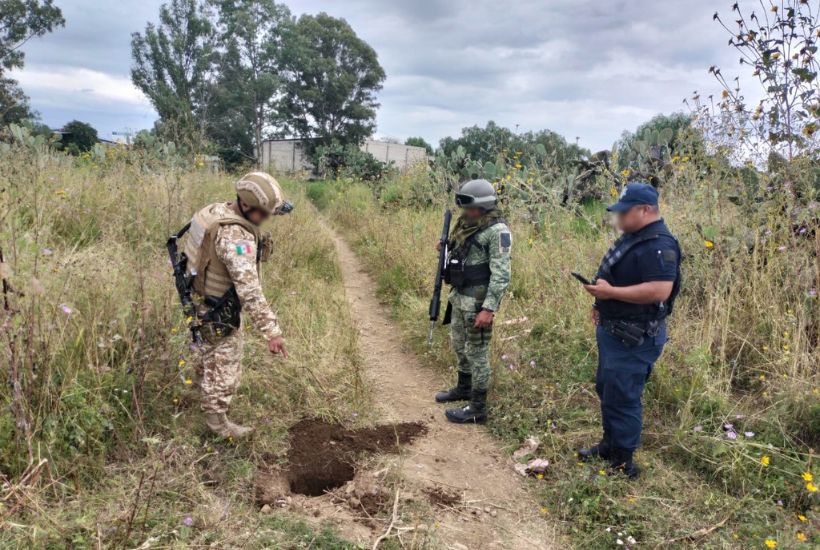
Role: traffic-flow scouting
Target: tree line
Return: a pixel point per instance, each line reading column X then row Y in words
column 232, row 73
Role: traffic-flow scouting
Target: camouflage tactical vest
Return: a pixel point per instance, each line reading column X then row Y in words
column 211, row 277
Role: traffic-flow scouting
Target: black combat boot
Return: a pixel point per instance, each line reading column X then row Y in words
column 460, row 392
column 475, row 412
column 602, row 449
column 621, row 461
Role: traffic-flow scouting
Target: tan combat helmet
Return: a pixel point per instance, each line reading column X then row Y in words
column 260, row 190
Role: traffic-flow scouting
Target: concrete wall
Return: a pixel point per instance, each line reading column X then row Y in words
column 288, row 155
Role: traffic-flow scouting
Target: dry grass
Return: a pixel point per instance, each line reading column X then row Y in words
column 95, row 351
column 743, row 351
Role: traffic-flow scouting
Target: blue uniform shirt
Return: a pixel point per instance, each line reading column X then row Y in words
column 656, row 259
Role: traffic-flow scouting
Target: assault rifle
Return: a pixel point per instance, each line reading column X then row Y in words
column 180, row 264
column 435, row 301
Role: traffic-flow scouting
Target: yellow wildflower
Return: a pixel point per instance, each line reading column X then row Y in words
column 801, row 536
column 708, row 244
column 801, row 517
column 807, row 476
column 539, row 476
column 174, row 330
column 811, row 487
column 601, row 472
column 770, row 543
column 544, row 510
column 188, row 381
column 182, row 362
column 765, row 460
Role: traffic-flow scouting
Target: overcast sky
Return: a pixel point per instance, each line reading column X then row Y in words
column 584, row 68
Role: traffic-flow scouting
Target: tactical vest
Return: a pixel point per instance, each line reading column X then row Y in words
column 458, row 274
column 210, row 276
column 611, row 309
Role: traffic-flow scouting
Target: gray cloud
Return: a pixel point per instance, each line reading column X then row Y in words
column 583, row 68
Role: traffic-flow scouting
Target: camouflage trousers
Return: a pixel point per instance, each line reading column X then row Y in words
column 218, row 367
column 472, row 346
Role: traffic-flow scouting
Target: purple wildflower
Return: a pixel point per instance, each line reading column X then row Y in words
column 67, row 310
column 812, row 292
column 731, row 435
column 781, row 248
column 532, row 363
column 504, row 356
column 188, row 521
column 749, row 434
column 728, row 426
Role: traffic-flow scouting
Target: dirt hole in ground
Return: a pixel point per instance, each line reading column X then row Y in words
column 322, row 455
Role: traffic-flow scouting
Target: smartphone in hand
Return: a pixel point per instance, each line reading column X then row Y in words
column 583, row 280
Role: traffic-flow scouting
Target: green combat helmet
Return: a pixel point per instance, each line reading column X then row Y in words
column 477, row 194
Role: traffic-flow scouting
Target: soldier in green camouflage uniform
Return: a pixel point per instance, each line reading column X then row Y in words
column 478, row 269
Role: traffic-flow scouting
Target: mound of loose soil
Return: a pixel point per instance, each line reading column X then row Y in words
column 322, row 455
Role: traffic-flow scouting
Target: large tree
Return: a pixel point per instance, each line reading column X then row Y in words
column 174, row 66
column 331, row 79
column 20, row 21
column 78, row 137
column 251, row 32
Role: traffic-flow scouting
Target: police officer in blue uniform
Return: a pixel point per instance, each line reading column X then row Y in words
column 635, row 289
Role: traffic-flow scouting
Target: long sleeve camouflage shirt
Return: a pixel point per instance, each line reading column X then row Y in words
column 236, row 248
column 494, row 245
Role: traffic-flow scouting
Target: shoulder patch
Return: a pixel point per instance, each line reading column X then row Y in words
column 244, row 247
column 669, row 255
column 505, row 242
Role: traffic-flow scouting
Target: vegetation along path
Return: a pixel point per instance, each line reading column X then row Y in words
column 491, row 508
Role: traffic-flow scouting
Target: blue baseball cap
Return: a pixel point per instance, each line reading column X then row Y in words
column 635, row 194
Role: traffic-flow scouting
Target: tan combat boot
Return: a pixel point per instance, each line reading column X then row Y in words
column 220, row 425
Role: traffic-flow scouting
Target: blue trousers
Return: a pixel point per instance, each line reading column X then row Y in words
column 619, row 382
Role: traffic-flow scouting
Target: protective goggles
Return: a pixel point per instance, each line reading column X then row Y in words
column 464, row 200
column 286, row 208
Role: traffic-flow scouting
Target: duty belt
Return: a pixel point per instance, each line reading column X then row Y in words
column 632, row 333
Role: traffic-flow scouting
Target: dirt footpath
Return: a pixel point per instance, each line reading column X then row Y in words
column 460, row 467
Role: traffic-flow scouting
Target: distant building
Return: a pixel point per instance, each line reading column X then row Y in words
column 289, row 155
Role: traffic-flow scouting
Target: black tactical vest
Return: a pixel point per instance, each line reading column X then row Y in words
column 613, row 309
column 461, row 276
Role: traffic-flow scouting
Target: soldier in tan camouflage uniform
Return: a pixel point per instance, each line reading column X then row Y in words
column 224, row 248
